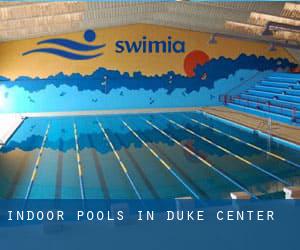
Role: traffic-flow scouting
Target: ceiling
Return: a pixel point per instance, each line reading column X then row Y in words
column 21, row 20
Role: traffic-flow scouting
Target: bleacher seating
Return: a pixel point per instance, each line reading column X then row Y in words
column 277, row 96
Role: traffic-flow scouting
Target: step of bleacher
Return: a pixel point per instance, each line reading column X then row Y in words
column 289, row 98
column 267, row 100
column 286, row 75
column 277, row 96
column 279, row 84
column 283, row 79
column 261, row 113
column 277, row 90
column 267, row 108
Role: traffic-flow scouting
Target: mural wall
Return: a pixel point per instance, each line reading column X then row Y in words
column 134, row 66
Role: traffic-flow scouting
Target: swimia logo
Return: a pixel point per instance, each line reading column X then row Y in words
column 150, row 46
column 80, row 51
column 74, row 50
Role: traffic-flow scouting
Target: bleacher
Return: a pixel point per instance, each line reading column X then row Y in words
column 277, row 96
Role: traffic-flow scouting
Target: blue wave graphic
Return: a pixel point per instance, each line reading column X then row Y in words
column 72, row 44
column 216, row 69
column 62, row 53
column 89, row 36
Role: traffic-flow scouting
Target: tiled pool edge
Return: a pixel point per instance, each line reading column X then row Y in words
column 89, row 113
column 109, row 112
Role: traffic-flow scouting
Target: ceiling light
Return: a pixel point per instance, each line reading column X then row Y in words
column 264, row 19
column 244, row 28
column 287, row 35
column 291, row 10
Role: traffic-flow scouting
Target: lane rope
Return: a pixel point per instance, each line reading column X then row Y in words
column 79, row 164
column 244, row 142
column 230, row 153
column 235, row 183
column 37, row 164
column 165, row 164
column 122, row 165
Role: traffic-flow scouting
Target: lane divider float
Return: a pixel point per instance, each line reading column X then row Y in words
column 79, row 165
column 122, row 165
column 244, row 142
column 164, row 163
column 205, row 162
column 37, row 164
column 230, row 153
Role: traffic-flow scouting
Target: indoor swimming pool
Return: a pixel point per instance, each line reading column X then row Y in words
column 143, row 156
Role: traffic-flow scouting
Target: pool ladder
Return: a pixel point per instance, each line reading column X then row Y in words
column 268, row 125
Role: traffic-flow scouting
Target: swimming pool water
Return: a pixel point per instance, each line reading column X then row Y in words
column 143, row 156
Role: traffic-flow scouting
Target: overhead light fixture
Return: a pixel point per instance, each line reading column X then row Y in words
column 274, row 31
column 291, row 10
column 244, row 28
column 212, row 39
column 277, row 27
column 287, row 35
column 271, row 26
column 263, row 19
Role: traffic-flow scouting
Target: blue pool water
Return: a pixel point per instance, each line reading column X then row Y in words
column 142, row 156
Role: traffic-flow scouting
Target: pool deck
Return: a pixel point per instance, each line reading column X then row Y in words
column 280, row 130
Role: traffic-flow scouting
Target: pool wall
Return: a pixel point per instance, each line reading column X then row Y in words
column 129, row 67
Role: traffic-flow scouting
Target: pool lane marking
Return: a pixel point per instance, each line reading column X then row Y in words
column 202, row 160
column 230, row 153
column 79, row 165
column 122, row 165
column 37, row 163
column 165, row 164
column 140, row 170
column 246, row 143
